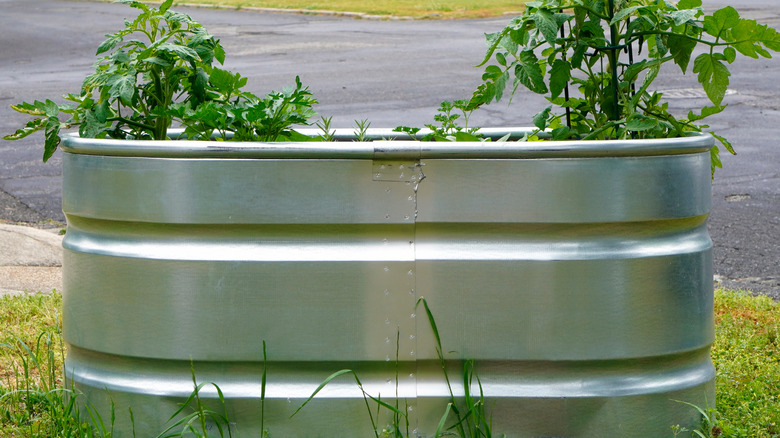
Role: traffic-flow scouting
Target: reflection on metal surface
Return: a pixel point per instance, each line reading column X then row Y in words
column 580, row 282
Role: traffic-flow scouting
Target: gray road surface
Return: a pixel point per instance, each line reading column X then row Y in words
column 392, row 73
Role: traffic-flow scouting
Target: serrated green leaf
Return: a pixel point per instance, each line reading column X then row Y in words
column 492, row 40
column 29, row 128
column 164, row 63
column 546, row 24
column 749, row 36
column 166, row 5
column 223, row 81
column 578, row 55
column 183, row 52
column 122, row 87
column 561, row 133
column 199, row 83
column 713, row 75
column 639, row 122
column 492, row 72
column 730, row 54
column 623, row 13
column 466, row 136
column 219, row 53
column 90, row 126
column 633, row 71
column 51, row 108
column 120, row 57
column 103, row 111
column 529, row 73
column 501, row 58
column 52, row 138
column 725, row 143
column 108, row 44
column 33, row 109
column 720, row 21
column 705, row 112
column 681, row 49
column 683, row 16
column 688, row 4
column 560, row 73
column 540, row 118
column 499, row 85
column 714, row 160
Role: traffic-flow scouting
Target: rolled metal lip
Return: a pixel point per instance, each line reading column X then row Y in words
column 402, row 147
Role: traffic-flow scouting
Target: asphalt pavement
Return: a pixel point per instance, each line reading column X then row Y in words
column 391, row 72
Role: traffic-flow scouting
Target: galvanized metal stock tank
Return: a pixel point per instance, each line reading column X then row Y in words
column 577, row 275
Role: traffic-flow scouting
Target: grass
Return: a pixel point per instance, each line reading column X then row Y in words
column 746, row 355
column 747, row 358
column 431, row 9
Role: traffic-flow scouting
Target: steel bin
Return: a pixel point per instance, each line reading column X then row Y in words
column 578, row 276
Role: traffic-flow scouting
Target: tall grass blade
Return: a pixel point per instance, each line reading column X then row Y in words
column 262, row 392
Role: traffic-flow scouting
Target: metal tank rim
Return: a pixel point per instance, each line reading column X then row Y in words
column 402, row 148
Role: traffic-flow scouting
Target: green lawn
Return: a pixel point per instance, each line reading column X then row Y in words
column 399, row 8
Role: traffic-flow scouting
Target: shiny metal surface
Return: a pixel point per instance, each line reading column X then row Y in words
column 580, row 282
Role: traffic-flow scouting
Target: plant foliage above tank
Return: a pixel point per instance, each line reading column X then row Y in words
column 611, row 51
column 160, row 70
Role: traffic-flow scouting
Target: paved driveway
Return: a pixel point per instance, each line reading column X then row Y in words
column 392, row 73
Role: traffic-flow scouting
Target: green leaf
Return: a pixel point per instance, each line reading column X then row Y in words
column 501, row 58
column 166, row 5
column 185, row 53
column 725, row 143
column 721, row 21
column 681, row 49
column 52, row 138
column 29, row 128
column 200, row 81
column 466, row 136
column 688, row 4
column 219, row 53
column 730, row 54
column 529, row 73
column 748, row 37
column 640, row 122
column 108, row 44
column 683, row 16
column 156, row 60
column 560, row 73
column 540, row 119
column 492, row 40
column 714, row 160
column 705, row 112
column 120, row 57
column 713, row 75
column 623, row 13
column 578, row 55
column 50, row 108
column 492, row 72
column 224, row 81
column 33, row 109
column 546, row 24
column 633, row 70
column 122, row 87
column 90, row 126
column 103, row 111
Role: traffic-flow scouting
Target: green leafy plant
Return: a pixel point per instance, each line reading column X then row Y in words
column 471, row 418
column 707, row 429
column 449, row 128
column 610, row 52
column 157, row 72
